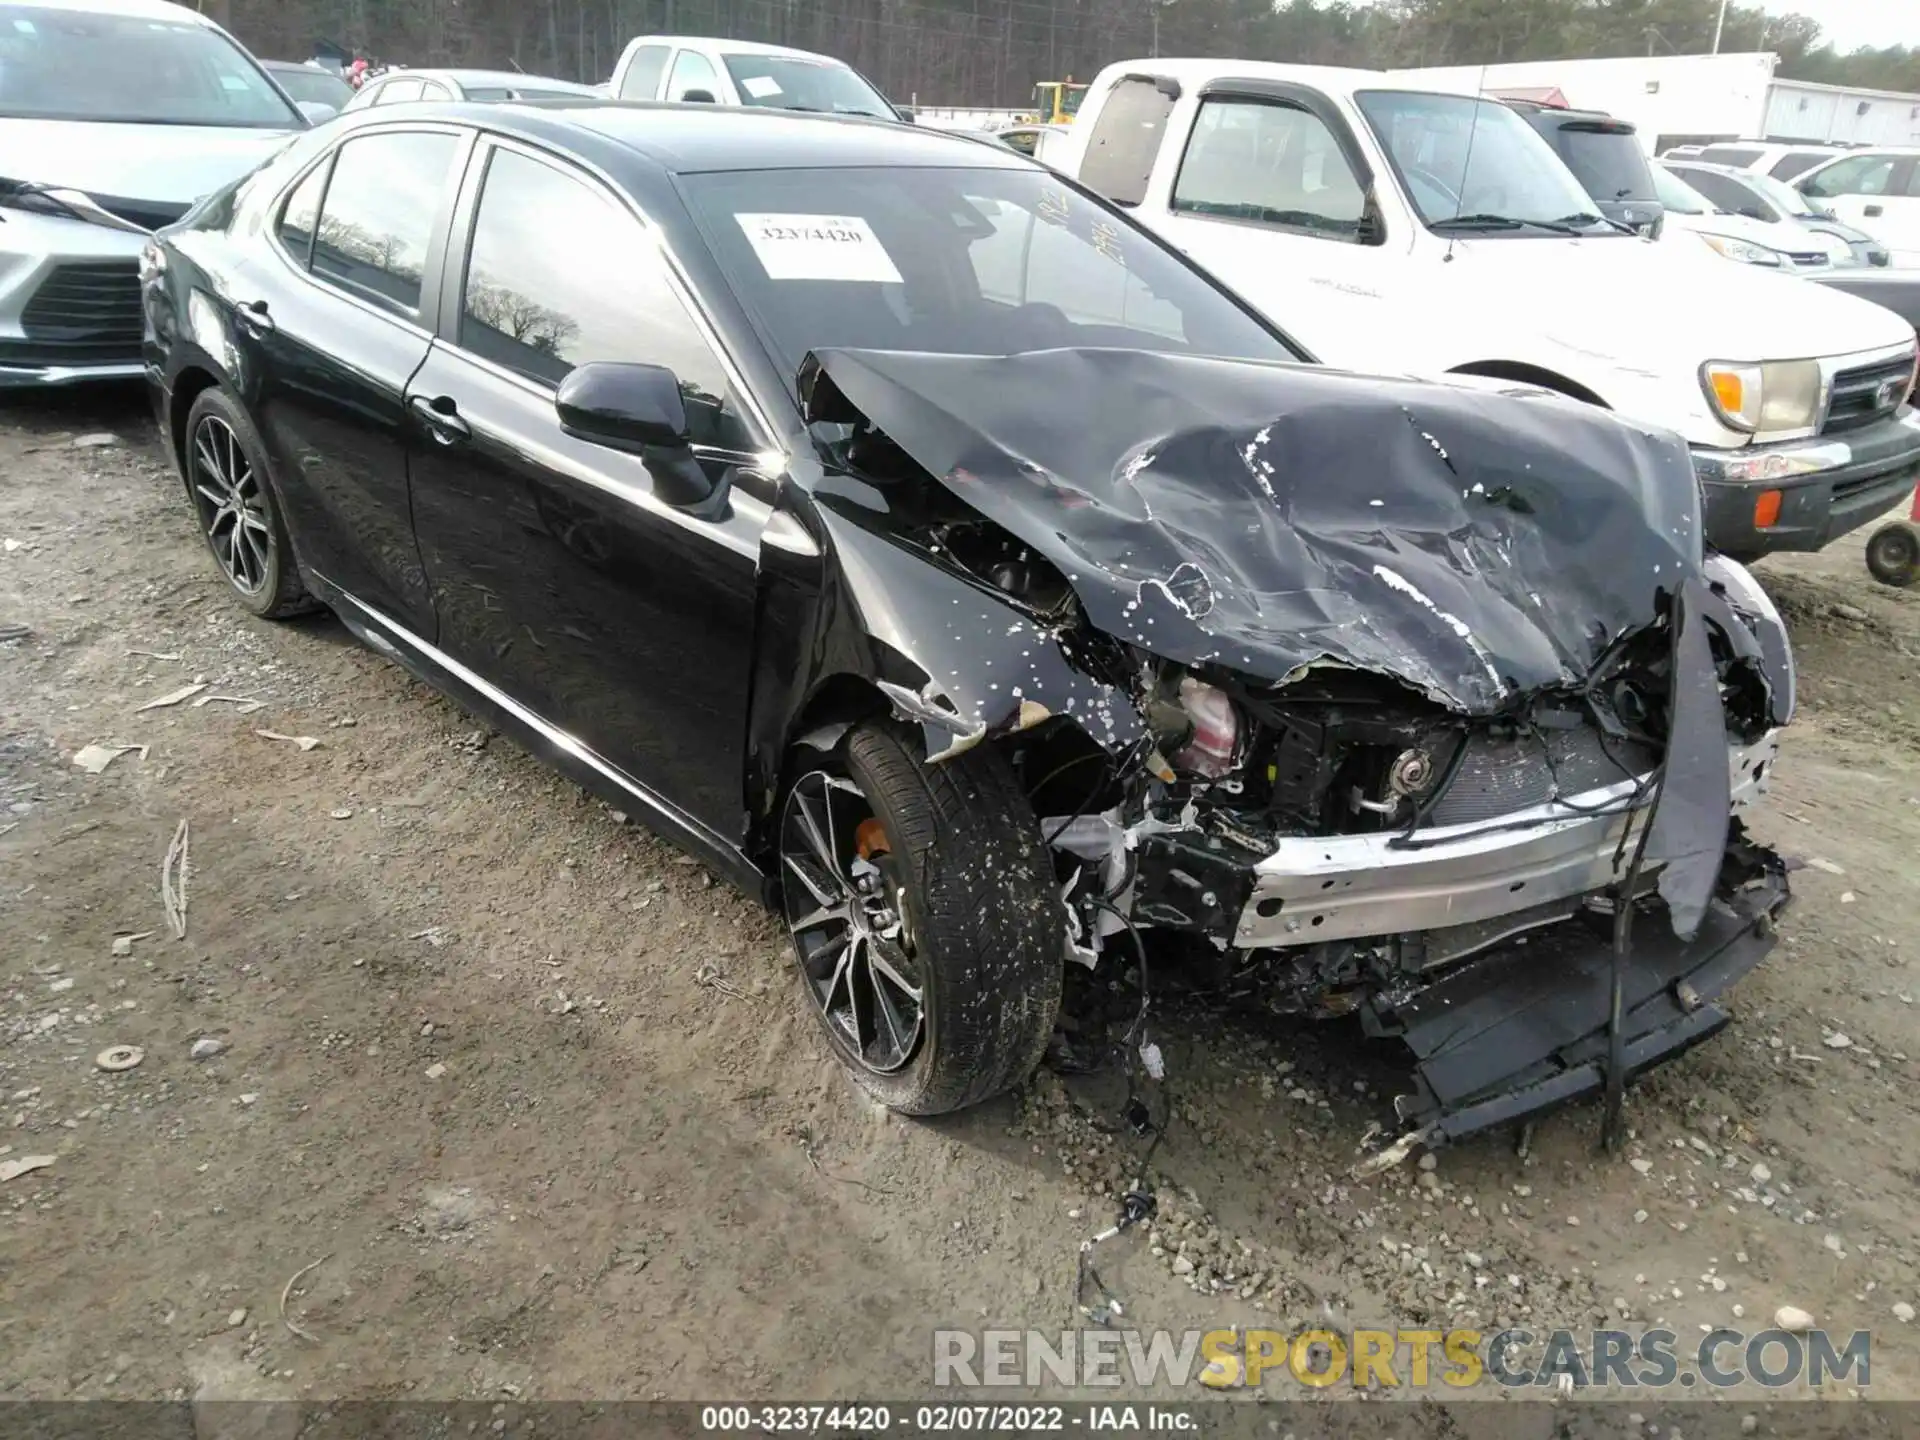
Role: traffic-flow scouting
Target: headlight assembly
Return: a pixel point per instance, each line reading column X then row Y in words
column 1745, row 251
column 1775, row 396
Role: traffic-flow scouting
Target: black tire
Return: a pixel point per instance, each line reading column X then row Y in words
column 1893, row 554
column 247, row 537
column 984, row 923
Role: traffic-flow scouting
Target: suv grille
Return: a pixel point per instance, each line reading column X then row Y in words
column 1867, row 393
column 86, row 310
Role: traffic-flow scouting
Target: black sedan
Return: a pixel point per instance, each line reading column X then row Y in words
column 947, row 560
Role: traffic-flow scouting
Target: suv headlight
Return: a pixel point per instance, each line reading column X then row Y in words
column 1776, row 395
column 1742, row 250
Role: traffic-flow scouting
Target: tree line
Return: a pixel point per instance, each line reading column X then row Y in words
column 991, row 52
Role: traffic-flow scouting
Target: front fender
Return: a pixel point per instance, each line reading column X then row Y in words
column 844, row 611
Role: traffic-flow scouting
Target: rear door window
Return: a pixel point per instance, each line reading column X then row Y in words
column 642, row 80
column 1788, row 166
column 1125, row 140
column 380, row 209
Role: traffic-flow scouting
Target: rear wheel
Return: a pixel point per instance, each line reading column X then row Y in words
column 239, row 514
column 924, row 917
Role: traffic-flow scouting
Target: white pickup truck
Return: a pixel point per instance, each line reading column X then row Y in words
column 1391, row 227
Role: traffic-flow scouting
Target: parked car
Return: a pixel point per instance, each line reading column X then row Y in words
column 115, row 116
column 938, row 554
column 1774, row 202
column 1876, row 190
column 701, row 69
column 481, row 86
column 1782, row 162
column 1390, row 226
column 1778, row 246
column 1604, row 155
column 1898, row 290
column 1031, row 140
column 310, row 84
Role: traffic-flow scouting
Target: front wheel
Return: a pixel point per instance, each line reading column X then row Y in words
column 925, row 919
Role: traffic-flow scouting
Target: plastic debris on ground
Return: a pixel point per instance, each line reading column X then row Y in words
column 97, row 757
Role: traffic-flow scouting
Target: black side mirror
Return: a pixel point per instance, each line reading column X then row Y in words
column 1372, row 226
column 638, row 409
column 698, row 97
column 907, row 114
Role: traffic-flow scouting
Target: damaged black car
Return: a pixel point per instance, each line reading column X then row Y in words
column 949, row 562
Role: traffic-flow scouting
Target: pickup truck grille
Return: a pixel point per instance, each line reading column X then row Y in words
column 1867, row 393
column 87, row 309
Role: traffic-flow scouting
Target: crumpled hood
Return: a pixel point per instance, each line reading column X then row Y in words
column 171, row 165
column 1261, row 518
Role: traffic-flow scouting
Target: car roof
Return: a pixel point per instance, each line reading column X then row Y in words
column 511, row 79
column 689, row 139
column 1694, row 162
column 1562, row 112
column 735, row 47
column 1199, row 72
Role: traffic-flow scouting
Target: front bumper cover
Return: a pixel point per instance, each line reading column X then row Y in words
column 1524, row 1028
column 87, row 327
column 1828, row 486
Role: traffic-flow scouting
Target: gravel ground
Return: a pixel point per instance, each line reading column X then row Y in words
column 531, row 1106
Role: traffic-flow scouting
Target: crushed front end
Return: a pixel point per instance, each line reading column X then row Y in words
column 1377, row 698
column 1344, row 846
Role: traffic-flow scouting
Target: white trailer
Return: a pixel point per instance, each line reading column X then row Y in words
column 1697, row 99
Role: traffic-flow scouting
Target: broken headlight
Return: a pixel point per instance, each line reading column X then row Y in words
column 1773, row 396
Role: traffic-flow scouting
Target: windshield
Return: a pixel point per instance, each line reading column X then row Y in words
column 1459, row 156
column 1678, row 196
column 61, row 64
column 1610, row 163
column 957, row 262
column 315, row 86
column 1784, row 198
column 789, row 82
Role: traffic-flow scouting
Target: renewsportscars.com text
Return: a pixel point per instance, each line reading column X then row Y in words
column 1456, row 1359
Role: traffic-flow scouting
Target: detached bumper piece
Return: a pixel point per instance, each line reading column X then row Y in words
column 1524, row 1028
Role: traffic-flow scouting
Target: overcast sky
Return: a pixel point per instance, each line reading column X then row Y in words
column 1849, row 24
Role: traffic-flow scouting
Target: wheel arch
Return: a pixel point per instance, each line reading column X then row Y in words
column 1525, row 374
column 192, row 381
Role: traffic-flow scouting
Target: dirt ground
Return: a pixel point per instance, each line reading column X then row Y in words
column 533, row 1106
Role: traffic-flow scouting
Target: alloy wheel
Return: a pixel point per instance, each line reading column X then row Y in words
column 231, row 505
column 844, row 910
